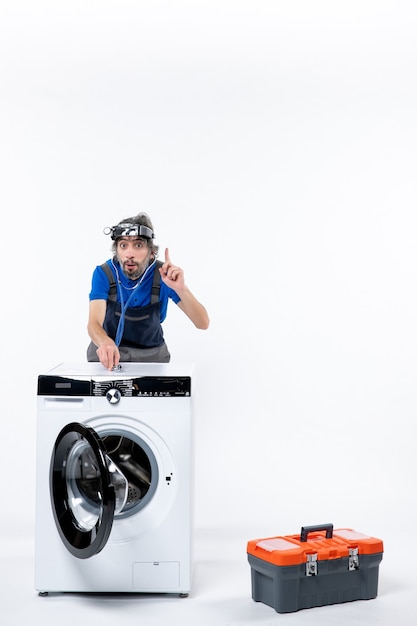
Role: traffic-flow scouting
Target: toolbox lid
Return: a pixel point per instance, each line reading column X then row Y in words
column 321, row 540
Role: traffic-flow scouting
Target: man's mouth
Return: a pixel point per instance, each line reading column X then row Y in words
column 131, row 270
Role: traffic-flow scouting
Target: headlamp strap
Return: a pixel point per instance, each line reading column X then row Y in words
column 128, row 229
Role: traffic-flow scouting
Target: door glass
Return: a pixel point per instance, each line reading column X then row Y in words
column 84, row 486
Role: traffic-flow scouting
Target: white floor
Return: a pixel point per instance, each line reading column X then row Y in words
column 221, row 594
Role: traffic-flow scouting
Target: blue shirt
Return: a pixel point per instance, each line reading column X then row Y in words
column 100, row 288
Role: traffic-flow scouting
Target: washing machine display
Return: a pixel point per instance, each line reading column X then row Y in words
column 114, row 479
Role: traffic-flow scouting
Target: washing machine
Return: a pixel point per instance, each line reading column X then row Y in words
column 114, row 492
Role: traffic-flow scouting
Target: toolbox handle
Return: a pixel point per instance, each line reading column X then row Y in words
column 305, row 530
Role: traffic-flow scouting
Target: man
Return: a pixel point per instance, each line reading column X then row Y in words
column 129, row 298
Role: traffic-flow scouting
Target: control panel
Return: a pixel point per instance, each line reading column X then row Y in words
column 146, row 386
column 139, row 387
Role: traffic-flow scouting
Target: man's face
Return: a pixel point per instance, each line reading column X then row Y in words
column 133, row 255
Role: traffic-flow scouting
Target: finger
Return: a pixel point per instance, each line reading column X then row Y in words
column 174, row 274
column 166, row 264
column 108, row 357
column 104, row 359
column 107, row 360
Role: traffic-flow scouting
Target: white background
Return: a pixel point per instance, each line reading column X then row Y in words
column 273, row 143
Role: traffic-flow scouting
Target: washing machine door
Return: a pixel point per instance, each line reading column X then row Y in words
column 86, row 490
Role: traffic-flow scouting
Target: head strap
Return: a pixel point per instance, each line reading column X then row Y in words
column 128, row 229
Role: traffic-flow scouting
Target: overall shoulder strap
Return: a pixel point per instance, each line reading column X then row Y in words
column 156, row 285
column 107, row 270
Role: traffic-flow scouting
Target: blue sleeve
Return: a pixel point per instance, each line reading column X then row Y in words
column 167, row 294
column 174, row 296
column 100, row 286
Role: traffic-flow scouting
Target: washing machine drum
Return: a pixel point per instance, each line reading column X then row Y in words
column 87, row 490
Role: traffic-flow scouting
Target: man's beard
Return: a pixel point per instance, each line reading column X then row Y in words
column 133, row 273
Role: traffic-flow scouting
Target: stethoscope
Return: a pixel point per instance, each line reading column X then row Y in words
column 124, row 306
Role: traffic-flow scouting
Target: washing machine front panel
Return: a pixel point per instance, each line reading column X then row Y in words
column 163, row 463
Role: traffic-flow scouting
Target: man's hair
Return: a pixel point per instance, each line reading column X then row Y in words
column 142, row 219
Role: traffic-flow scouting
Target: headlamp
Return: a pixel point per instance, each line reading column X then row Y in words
column 128, row 229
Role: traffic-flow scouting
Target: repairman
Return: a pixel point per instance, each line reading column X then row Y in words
column 129, row 298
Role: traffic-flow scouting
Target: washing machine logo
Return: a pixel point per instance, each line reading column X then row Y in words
column 113, row 395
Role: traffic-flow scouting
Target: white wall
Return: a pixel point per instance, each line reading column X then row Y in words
column 274, row 145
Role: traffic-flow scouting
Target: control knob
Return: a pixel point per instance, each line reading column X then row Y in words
column 113, row 395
